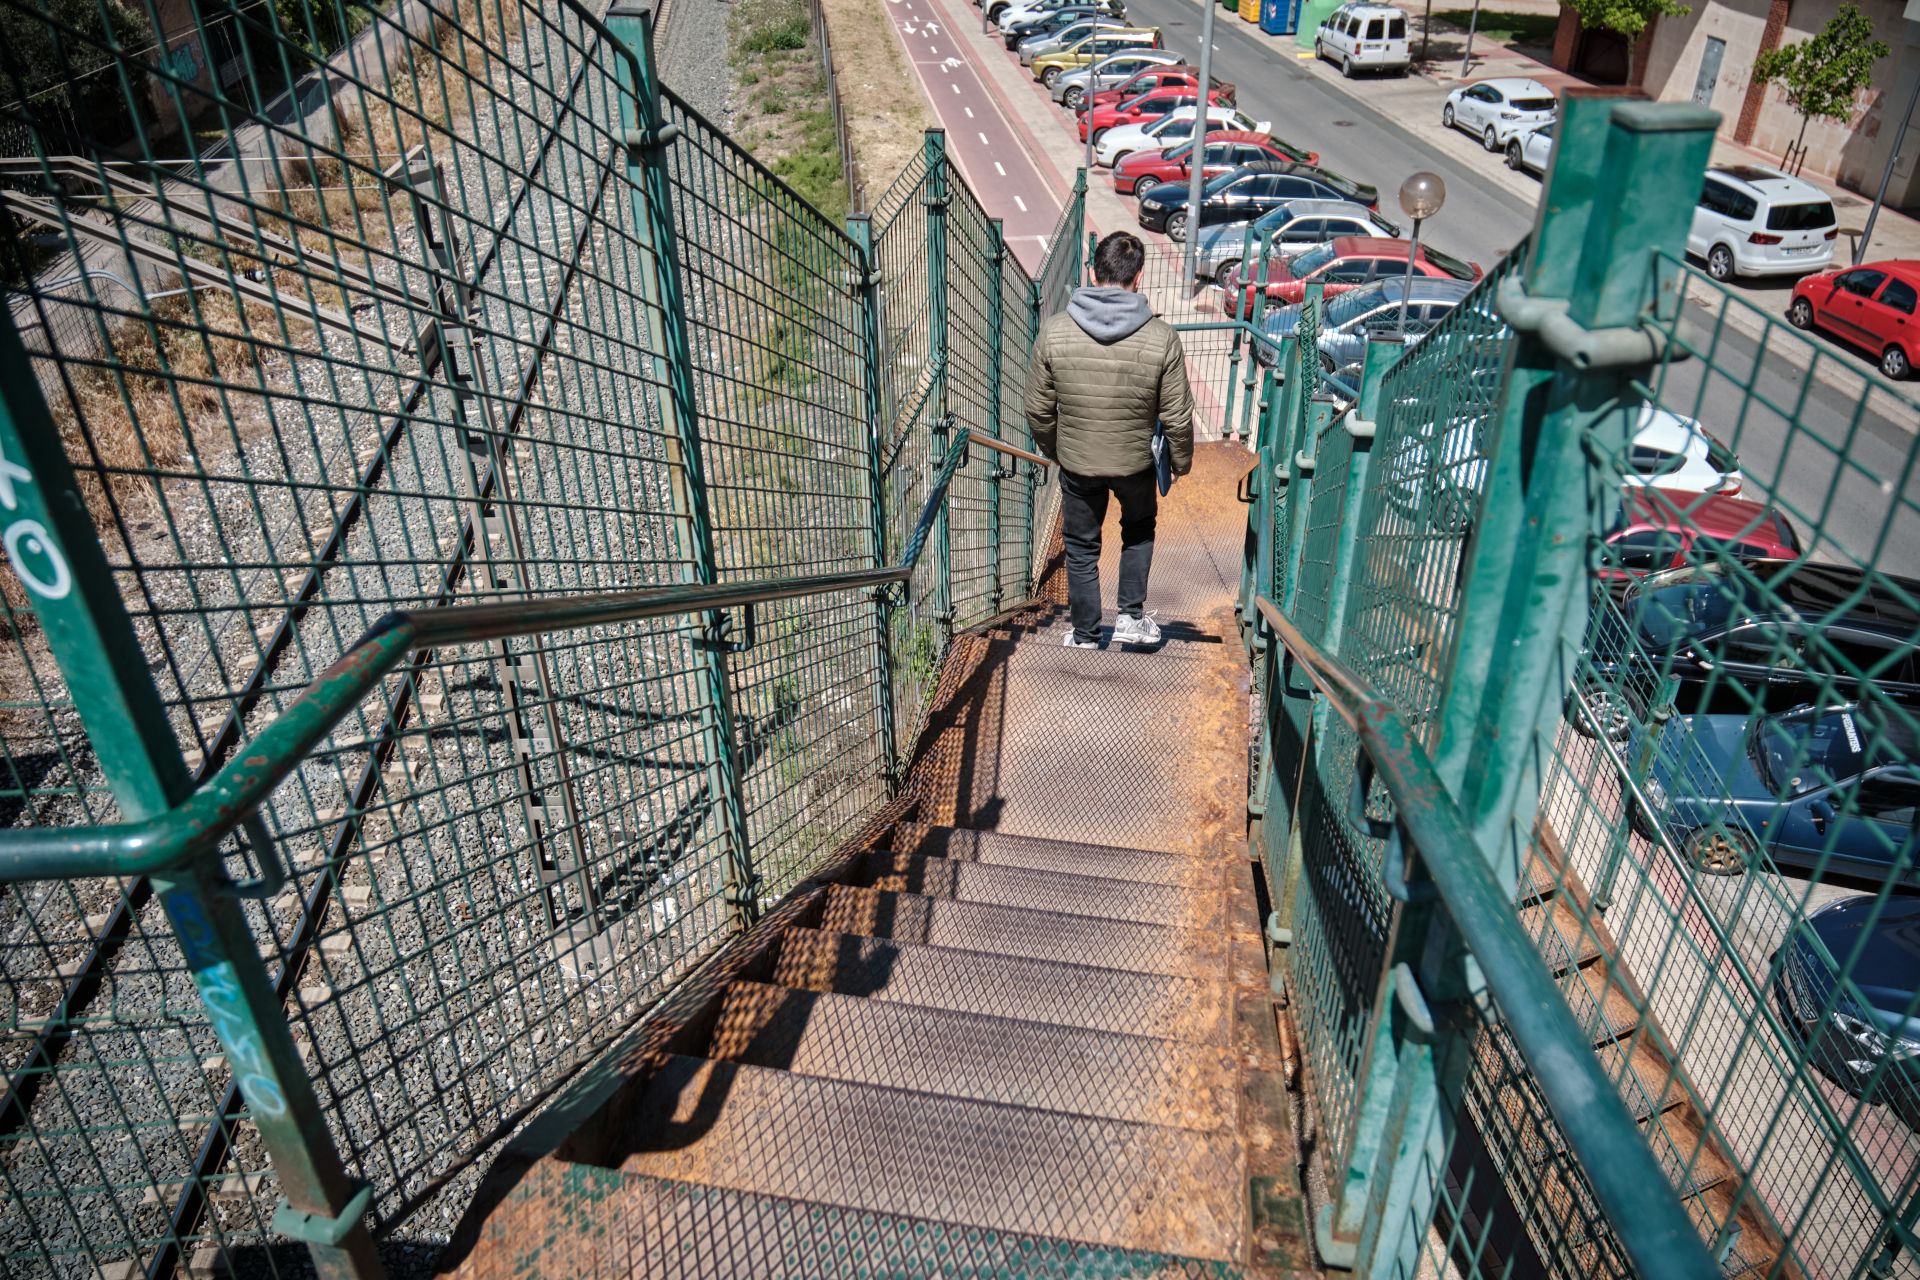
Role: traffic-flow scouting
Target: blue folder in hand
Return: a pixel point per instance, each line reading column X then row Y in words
column 1162, row 458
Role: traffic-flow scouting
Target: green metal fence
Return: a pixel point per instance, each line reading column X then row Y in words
column 1531, row 607
column 480, row 469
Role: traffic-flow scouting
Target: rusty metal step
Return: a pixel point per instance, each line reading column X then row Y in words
column 1560, row 933
column 659, row 1229
column 966, row 1055
column 1078, row 895
column 1148, row 1004
column 1602, row 1007
column 955, row 1160
column 1036, row 935
column 1001, row 849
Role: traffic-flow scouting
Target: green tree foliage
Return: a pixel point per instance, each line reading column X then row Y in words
column 1823, row 75
column 1628, row 17
column 60, row 43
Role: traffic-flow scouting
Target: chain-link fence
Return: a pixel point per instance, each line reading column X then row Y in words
column 510, row 325
column 1697, row 792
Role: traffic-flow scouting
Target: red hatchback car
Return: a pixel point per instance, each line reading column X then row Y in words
column 1871, row 306
column 1142, row 107
column 1665, row 528
column 1226, row 150
column 1343, row 263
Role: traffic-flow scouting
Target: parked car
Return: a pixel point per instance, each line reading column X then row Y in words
column 1178, row 80
column 1871, row 306
column 1496, row 111
column 1756, row 221
column 1149, row 105
column 1845, row 982
column 1293, row 227
column 1364, row 37
column 1243, row 195
column 1350, row 320
column 1013, row 32
column 1342, row 263
column 1169, row 130
column 1708, row 627
column 1177, row 72
column 1533, row 149
column 1832, row 789
column 1671, row 452
column 1443, row 460
column 1002, row 12
column 1112, row 71
column 1226, row 150
column 1049, row 67
column 1077, row 35
column 1659, row 529
column 1058, row 31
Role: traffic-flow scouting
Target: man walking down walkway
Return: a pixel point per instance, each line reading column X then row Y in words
column 1104, row 370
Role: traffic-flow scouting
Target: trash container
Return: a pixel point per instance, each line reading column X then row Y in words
column 1250, row 10
column 1280, row 17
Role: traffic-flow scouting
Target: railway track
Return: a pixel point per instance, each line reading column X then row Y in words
column 306, row 608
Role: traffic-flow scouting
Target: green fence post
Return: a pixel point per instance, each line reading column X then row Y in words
column 996, row 262
column 647, row 138
column 1030, row 534
column 1577, row 358
column 867, row 288
column 50, row 540
column 938, row 196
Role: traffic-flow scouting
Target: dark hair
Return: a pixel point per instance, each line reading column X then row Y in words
column 1119, row 259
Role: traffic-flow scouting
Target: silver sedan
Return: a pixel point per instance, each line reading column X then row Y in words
column 1295, row 225
column 1072, row 87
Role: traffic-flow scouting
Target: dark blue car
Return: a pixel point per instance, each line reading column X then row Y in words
column 1834, row 789
column 1863, row 1032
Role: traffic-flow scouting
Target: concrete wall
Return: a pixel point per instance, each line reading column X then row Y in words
column 1852, row 153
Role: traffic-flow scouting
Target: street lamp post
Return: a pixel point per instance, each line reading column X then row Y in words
column 1421, row 196
column 1197, row 151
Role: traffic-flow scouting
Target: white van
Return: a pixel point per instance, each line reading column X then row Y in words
column 1756, row 221
column 1364, row 37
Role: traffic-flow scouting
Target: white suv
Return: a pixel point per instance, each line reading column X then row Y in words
column 1364, row 37
column 1755, row 221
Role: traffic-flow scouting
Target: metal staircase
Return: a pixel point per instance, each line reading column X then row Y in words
column 973, row 1034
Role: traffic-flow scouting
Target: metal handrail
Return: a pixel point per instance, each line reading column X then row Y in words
column 197, row 825
column 1636, row 1195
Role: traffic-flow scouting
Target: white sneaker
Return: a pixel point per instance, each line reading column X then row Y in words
column 1140, row 630
column 1074, row 642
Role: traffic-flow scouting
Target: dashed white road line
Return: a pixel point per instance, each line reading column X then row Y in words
column 998, row 169
column 1022, row 203
column 983, row 141
column 956, row 88
column 969, row 111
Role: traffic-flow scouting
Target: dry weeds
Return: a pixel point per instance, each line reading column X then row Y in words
column 885, row 113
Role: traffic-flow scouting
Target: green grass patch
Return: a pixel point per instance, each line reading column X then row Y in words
column 1505, row 26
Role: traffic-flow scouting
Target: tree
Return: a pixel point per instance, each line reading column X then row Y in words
column 1628, row 17
column 1823, row 75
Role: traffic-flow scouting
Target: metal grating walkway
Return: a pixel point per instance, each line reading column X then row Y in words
column 1020, row 1030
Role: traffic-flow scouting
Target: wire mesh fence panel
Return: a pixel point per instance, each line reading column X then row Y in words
column 1733, row 789
column 425, row 345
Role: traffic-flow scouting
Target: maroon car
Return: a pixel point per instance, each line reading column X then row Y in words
column 1226, row 150
column 1669, row 528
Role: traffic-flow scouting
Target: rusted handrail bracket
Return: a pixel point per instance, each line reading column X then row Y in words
column 1637, row 1196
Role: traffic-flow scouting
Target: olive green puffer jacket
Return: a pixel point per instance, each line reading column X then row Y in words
column 1102, row 371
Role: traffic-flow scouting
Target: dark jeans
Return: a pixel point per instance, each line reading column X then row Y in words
column 1083, row 509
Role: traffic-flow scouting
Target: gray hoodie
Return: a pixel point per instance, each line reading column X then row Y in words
column 1102, row 371
column 1108, row 313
